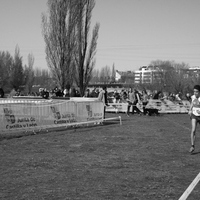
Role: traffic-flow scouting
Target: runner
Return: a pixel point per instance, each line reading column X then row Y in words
column 194, row 113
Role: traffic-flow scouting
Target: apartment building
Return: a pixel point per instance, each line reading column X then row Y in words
column 151, row 74
column 192, row 72
column 147, row 75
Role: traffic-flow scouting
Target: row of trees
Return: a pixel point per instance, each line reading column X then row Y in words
column 103, row 75
column 70, row 49
column 174, row 77
column 15, row 75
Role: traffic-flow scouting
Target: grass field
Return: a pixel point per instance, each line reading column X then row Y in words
column 145, row 158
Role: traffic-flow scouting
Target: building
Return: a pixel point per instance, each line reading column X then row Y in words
column 153, row 74
column 192, row 72
column 117, row 75
column 195, row 68
column 148, row 75
column 124, row 77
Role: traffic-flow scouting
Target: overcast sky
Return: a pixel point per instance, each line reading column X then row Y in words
column 132, row 32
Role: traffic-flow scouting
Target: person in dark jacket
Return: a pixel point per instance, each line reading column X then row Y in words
column 1, row 93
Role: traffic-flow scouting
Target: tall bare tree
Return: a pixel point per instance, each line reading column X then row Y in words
column 170, row 75
column 59, row 35
column 85, row 49
column 161, row 72
column 176, row 78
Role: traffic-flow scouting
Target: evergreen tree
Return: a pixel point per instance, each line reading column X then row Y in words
column 113, row 74
column 17, row 71
column 29, row 73
column 6, row 62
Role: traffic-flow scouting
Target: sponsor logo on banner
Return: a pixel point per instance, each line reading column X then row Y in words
column 62, row 118
column 14, row 122
column 89, row 110
column 93, row 112
column 55, row 112
column 9, row 116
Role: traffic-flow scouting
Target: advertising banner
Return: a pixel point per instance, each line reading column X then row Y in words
column 17, row 115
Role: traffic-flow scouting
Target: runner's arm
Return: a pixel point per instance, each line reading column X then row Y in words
column 190, row 109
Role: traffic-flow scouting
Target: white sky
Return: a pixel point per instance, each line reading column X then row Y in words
column 132, row 32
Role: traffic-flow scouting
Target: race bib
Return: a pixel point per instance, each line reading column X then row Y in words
column 196, row 111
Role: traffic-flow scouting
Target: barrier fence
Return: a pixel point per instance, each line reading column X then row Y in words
column 29, row 114
column 163, row 106
column 26, row 114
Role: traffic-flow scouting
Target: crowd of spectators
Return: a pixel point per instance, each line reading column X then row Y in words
column 114, row 96
column 44, row 93
column 144, row 95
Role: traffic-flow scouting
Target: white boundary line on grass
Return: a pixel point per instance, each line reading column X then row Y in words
column 197, row 178
column 190, row 188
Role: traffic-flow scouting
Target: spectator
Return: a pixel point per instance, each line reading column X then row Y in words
column 73, row 92
column 157, row 95
column 171, row 97
column 97, row 92
column 58, row 92
column 103, row 97
column 144, row 101
column 66, row 93
column 124, row 97
column 87, row 93
column 178, row 96
column 116, row 96
column 77, row 93
column 45, row 93
column 18, row 93
column 132, row 101
column 1, row 93
column 12, row 93
column 165, row 96
column 188, row 97
column 94, row 93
